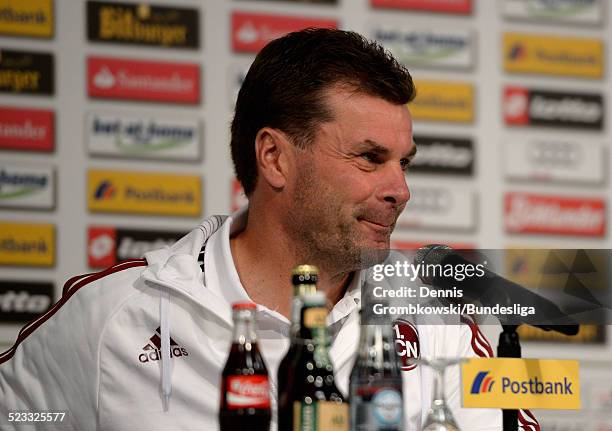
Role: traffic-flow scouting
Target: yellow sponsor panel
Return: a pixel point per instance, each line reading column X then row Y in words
column 144, row 193
column 26, row 18
column 443, row 101
column 521, row 383
column 574, row 271
column 553, row 55
column 27, row 244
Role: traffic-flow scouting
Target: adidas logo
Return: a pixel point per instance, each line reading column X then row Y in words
column 152, row 350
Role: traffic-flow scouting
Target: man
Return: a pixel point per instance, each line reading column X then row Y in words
column 320, row 141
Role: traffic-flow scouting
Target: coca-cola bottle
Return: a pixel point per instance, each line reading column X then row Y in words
column 245, row 389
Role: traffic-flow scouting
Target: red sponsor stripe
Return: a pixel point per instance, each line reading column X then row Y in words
column 534, row 422
column 448, row 6
column 478, row 339
column 516, row 106
column 119, row 78
column 553, row 214
column 487, row 384
column 483, row 341
column 26, row 129
column 84, row 279
column 252, row 31
column 73, row 280
column 479, row 342
column 69, row 290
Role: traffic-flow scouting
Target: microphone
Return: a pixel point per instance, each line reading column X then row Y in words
column 491, row 289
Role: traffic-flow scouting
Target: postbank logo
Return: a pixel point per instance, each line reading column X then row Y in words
column 144, row 193
column 483, row 383
column 553, row 55
column 443, row 101
column 27, row 244
column 26, row 18
column 520, row 384
column 142, row 24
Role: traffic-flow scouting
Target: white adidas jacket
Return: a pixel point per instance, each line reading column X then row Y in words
column 104, row 354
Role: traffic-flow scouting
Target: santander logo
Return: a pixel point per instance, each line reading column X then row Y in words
column 252, row 31
column 143, row 80
column 104, row 79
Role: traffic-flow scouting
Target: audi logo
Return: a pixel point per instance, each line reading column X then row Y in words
column 561, row 154
column 429, row 199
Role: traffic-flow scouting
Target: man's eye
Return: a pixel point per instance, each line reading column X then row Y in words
column 370, row 157
column 405, row 163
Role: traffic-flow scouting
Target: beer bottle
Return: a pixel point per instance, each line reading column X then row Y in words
column 245, row 389
column 376, row 382
column 311, row 401
column 304, row 279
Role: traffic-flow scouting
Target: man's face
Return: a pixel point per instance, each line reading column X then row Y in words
column 349, row 188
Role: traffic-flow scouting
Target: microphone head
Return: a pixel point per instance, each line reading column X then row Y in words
column 431, row 254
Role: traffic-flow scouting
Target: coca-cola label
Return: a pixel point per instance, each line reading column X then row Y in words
column 529, row 107
column 248, row 391
column 556, row 215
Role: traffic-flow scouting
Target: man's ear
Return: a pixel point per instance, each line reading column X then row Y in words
column 273, row 154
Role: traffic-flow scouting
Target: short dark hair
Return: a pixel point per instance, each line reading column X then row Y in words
column 284, row 88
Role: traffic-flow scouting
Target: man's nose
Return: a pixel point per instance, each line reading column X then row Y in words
column 396, row 190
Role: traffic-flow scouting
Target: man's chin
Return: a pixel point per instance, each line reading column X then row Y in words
column 372, row 256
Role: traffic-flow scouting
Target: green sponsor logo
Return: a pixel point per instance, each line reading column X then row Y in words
column 559, row 8
column 14, row 185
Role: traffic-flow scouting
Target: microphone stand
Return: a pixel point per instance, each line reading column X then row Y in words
column 509, row 346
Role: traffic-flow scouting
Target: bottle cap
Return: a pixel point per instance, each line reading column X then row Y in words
column 244, row 305
column 304, row 274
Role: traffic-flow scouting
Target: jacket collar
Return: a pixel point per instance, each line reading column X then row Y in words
column 176, row 268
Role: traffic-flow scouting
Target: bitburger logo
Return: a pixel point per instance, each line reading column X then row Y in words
column 142, row 24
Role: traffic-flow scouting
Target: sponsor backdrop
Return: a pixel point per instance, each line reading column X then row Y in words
column 114, row 132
